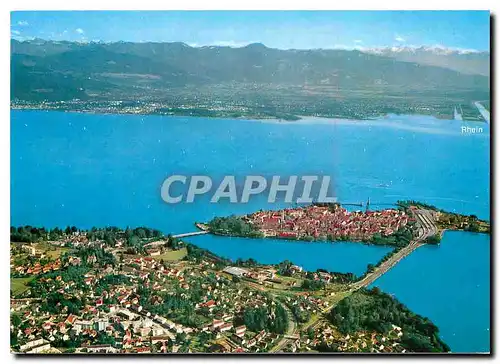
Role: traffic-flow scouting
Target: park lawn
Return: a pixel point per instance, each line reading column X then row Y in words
column 52, row 251
column 226, row 275
column 172, row 255
column 314, row 317
column 20, row 259
column 339, row 296
column 286, row 280
column 18, row 285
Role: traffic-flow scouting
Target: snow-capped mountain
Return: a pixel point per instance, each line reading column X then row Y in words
column 467, row 61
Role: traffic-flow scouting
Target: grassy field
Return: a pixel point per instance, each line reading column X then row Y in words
column 20, row 259
column 287, row 280
column 172, row 255
column 18, row 285
column 51, row 251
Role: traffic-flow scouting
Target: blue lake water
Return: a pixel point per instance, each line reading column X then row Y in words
column 339, row 257
column 95, row 170
column 448, row 282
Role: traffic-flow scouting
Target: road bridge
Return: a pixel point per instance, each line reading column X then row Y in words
column 427, row 228
column 185, row 235
column 178, row 236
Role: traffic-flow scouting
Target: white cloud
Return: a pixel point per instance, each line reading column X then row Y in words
column 399, row 38
column 22, row 23
column 79, row 30
column 15, row 32
column 358, row 41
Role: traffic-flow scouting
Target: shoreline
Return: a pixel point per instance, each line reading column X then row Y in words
column 91, row 112
column 397, row 121
column 300, row 118
column 463, row 231
column 319, row 241
column 302, row 241
column 248, row 118
column 393, row 240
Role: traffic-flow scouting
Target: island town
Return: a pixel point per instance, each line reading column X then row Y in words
column 328, row 222
column 332, row 222
column 112, row 290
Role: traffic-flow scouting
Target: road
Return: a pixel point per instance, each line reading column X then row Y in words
column 190, row 234
column 292, row 325
column 426, row 228
column 178, row 236
column 291, row 331
column 385, row 266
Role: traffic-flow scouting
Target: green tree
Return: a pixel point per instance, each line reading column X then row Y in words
column 15, row 320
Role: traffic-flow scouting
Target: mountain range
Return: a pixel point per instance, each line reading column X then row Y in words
column 63, row 70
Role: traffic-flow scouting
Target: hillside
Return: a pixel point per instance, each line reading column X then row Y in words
column 248, row 77
column 463, row 61
column 374, row 310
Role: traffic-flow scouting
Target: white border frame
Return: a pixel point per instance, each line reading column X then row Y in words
column 492, row 5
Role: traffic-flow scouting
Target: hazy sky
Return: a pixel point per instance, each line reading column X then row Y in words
column 282, row 29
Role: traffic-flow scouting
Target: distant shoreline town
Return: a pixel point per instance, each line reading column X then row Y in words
column 250, row 82
column 227, row 112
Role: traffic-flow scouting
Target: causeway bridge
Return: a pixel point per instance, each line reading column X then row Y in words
column 426, row 228
column 178, row 236
column 190, row 234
